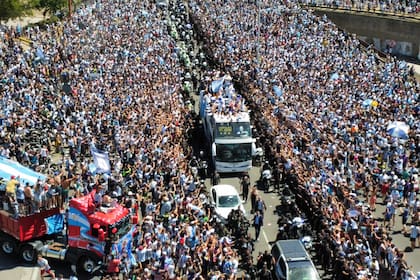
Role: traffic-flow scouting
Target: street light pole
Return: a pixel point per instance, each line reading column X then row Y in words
column 70, row 7
column 258, row 31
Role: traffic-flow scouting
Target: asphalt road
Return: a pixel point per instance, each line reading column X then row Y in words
column 269, row 230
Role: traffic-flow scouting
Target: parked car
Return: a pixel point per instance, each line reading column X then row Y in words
column 224, row 199
column 292, row 261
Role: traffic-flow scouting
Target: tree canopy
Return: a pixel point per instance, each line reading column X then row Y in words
column 10, row 9
column 51, row 6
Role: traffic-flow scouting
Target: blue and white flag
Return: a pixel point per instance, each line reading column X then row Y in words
column 101, row 160
column 10, row 168
column 216, row 85
column 40, row 53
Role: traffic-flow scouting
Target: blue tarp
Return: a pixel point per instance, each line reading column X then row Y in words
column 10, row 168
column 55, row 224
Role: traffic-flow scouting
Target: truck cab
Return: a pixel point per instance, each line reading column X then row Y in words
column 82, row 235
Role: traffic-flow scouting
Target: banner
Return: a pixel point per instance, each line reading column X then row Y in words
column 101, row 161
column 10, row 168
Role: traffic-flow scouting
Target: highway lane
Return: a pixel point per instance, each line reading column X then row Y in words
column 269, row 230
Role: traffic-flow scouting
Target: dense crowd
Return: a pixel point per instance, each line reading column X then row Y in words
column 394, row 6
column 328, row 105
column 110, row 78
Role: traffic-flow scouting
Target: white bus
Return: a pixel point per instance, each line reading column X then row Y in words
column 227, row 127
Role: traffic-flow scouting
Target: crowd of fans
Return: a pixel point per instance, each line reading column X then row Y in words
column 402, row 7
column 328, row 102
column 109, row 78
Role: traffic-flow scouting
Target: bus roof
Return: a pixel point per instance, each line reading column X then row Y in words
column 223, row 100
column 238, row 117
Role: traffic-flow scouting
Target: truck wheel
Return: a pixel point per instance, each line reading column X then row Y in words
column 28, row 253
column 86, row 265
column 8, row 246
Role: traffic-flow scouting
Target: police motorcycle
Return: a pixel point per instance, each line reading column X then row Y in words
column 265, row 178
column 295, row 228
column 287, row 198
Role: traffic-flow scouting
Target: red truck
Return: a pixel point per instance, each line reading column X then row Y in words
column 82, row 235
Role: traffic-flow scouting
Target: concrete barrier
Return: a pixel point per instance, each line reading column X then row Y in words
column 389, row 33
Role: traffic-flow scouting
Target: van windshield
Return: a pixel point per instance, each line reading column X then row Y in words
column 228, row 201
column 302, row 271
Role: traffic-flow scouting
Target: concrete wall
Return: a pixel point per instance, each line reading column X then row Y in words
column 381, row 31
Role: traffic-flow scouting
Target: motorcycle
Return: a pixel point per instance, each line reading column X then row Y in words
column 287, row 199
column 266, row 179
column 202, row 169
column 307, row 242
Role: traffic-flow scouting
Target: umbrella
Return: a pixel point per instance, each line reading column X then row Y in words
column 277, row 90
column 353, row 213
column 398, row 129
column 367, row 102
column 370, row 102
column 334, row 77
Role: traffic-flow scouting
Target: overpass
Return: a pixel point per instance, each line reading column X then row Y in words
column 398, row 33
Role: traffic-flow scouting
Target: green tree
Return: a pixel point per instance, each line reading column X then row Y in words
column 10, row 9
column 51, row 6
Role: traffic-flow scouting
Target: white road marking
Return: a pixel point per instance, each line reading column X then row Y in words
column 266, row 239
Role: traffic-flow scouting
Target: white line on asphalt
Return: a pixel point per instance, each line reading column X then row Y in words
column 266, row 239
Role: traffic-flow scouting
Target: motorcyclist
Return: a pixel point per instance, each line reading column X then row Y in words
column 266, row 176
column 193, row 164
column 266, row 166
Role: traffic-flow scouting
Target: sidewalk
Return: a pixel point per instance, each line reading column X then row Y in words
column 24, row 21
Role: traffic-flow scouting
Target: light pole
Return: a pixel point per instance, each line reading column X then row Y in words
column 70, row 7
column 258, row 31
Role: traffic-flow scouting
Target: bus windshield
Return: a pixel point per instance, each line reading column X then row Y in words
column 234, row 152
column 233, row 130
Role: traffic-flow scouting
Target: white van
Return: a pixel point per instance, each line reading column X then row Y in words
column 292, row 261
